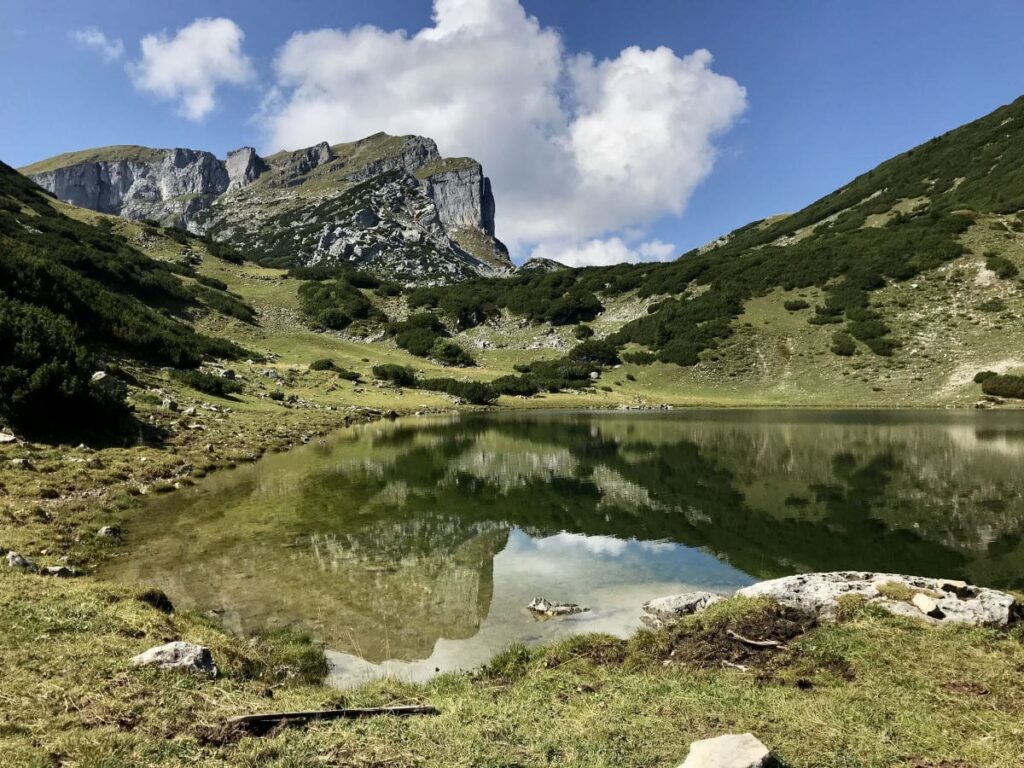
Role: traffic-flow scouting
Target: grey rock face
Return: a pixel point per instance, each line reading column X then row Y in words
column 664, row 610
column 186, row 657
column 169, row 190
column 729, row 751
column 941, row 600
column 425, row 219
column 243, row 167
column 463, row 198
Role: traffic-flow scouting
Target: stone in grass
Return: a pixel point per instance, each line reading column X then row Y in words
column 665, row 610
column 179, row 655
column 15, row 560
column 729, row 751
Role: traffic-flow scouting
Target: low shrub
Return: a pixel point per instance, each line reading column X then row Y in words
column 795, row 305
column 1004, row 385
column 400, row 375
column 208, row 383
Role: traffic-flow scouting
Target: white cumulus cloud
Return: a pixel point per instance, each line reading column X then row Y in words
column 189, row 66
column 603, row 252
column 579, row 150
column 95, row 39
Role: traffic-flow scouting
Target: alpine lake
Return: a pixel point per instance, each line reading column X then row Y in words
column 413, row 546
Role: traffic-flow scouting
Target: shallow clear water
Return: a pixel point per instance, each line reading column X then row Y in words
column 413, row 546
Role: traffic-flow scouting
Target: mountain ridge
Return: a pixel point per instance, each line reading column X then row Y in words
column 432, row 217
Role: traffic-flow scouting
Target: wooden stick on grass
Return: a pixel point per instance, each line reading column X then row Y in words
column 263, row 722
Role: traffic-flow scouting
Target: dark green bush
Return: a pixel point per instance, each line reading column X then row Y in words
column 448, row 352
column 795, row 305
column 1004, row 385
column 397, row 374
column 208, row 383
column 323, row 365
column 1001, row 265
column 843, row 344
column 982, row 376
column 597, row 352
column 582, row 332
column 475, row 392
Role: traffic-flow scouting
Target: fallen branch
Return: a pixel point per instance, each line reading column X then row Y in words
column 754, row 643
column 261, row 723
column 733, row 665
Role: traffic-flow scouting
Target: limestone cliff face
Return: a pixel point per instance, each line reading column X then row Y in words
column 167, row 189
column 388, row 204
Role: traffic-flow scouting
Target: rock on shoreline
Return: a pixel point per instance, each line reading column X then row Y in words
column 818, row 594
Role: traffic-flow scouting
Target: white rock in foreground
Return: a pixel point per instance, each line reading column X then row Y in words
column 946, row 600
column 663, row 610
column 729, row 751
column 179, row 655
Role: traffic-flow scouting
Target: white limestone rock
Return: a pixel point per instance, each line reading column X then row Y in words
column 179, row 655
column 665, row 610
column 729, row 751
column 948, row 600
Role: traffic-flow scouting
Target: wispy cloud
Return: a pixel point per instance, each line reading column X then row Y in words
column 94, row 39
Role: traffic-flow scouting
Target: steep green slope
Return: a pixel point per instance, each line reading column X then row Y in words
column 858, row 280
column 71, row 294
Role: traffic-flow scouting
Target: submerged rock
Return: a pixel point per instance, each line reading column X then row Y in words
column 729, row 751
column 179, row 655
column 664, row 610
column 939, row 600
column 544, row 607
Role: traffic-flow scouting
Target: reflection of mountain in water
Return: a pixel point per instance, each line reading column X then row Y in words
column 383, row 542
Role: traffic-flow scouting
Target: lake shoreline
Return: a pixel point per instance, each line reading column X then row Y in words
column 251, row 671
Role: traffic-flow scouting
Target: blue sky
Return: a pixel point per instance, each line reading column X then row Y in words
column 829, row 90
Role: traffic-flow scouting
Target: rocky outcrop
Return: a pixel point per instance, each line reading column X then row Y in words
column 463, row 197
column 243, row 167
column 387, row 204
column 181, row 656
column 820, row 595
column 742, row 750
column 936, row 600
column 167, row 185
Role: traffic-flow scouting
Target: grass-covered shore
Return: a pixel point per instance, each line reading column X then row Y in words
column 871, row 690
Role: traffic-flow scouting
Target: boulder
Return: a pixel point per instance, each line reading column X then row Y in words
column 179, row 655
column 170, row 405
column 112, row 385
column 729, row 751
column 14, row 560
column 108, row 532
column 946, row 600
column 665, row 610
column 7, row 437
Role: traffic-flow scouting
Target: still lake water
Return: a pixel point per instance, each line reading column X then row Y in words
column 412, row 546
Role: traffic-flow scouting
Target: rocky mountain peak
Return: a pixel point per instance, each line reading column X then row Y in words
column 390, row 204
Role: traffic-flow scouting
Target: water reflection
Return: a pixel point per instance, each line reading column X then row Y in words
column 413, row 546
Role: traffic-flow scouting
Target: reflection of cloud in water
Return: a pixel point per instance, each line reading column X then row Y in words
column 564, row 542
column 612, row 577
